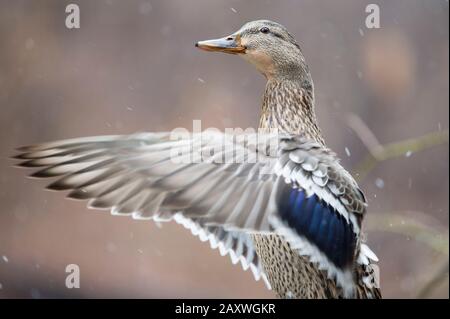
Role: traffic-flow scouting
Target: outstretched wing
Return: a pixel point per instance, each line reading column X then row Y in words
column 222, row 186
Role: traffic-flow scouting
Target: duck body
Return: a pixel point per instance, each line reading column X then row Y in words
column 288, row 107
column 290, row 274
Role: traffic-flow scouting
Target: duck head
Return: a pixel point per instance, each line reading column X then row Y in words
column 265, row 44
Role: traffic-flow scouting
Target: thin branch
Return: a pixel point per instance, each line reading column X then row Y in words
column 397, row 222
column 434, row 282
column 416, row 226
column 396, row 149
column 364, row 133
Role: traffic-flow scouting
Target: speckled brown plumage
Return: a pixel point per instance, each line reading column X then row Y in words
column 288, row 106
column 292, row 275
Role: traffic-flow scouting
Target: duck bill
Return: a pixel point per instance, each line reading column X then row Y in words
column 231, row 44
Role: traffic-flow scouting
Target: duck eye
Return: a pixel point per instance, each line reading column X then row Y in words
column 264, row 30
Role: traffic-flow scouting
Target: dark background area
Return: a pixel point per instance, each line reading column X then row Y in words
column 132, row 66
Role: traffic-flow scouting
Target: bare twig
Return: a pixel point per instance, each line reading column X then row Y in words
column 414, row 225
column 434, row 282
column 417, row 226
column 379, row 153
column 364, row 133
column 422, row 228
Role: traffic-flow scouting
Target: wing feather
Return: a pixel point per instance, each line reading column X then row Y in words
column 221, row 194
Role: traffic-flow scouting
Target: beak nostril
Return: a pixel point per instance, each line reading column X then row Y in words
column 229, row 38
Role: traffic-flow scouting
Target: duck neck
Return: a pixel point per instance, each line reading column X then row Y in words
column 288, row 106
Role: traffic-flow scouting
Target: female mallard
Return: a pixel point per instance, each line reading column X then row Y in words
column 292, row 216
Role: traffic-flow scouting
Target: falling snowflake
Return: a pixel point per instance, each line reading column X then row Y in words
column 29, row 44
column 35, row 293
column 347, row 151
column 234, row 10
column 5, row 258
column 379, row 183
column 110, row 247
column 158, row 224
column 408, row 154
column 145, row 8
column 290, row 295
column 201, row 80
column 361, row 32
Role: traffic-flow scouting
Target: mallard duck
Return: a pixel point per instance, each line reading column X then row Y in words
column 276, row 201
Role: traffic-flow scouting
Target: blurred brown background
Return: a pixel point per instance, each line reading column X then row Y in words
column 132, row 67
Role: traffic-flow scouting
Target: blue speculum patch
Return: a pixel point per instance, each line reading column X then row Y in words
column 320, row 224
